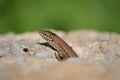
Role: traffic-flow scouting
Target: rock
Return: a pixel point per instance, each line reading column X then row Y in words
column 29, row 57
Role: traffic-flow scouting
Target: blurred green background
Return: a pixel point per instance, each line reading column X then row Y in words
column 31, row 15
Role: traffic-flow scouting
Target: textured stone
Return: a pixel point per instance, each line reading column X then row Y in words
column 29, row 57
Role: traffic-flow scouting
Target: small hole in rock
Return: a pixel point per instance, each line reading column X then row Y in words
column 25, row 49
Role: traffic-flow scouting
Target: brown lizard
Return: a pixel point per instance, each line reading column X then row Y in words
column 63, row 49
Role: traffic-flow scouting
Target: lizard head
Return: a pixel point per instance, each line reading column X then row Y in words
column 47, row 35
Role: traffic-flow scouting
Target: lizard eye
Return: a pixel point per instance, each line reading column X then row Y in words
column 45, row 34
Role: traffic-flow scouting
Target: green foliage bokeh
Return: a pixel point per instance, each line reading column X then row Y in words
column 30, row 15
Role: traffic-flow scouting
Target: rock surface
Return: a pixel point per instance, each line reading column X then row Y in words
column 28, row 57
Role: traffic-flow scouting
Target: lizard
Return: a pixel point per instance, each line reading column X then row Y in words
column 63, row 49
